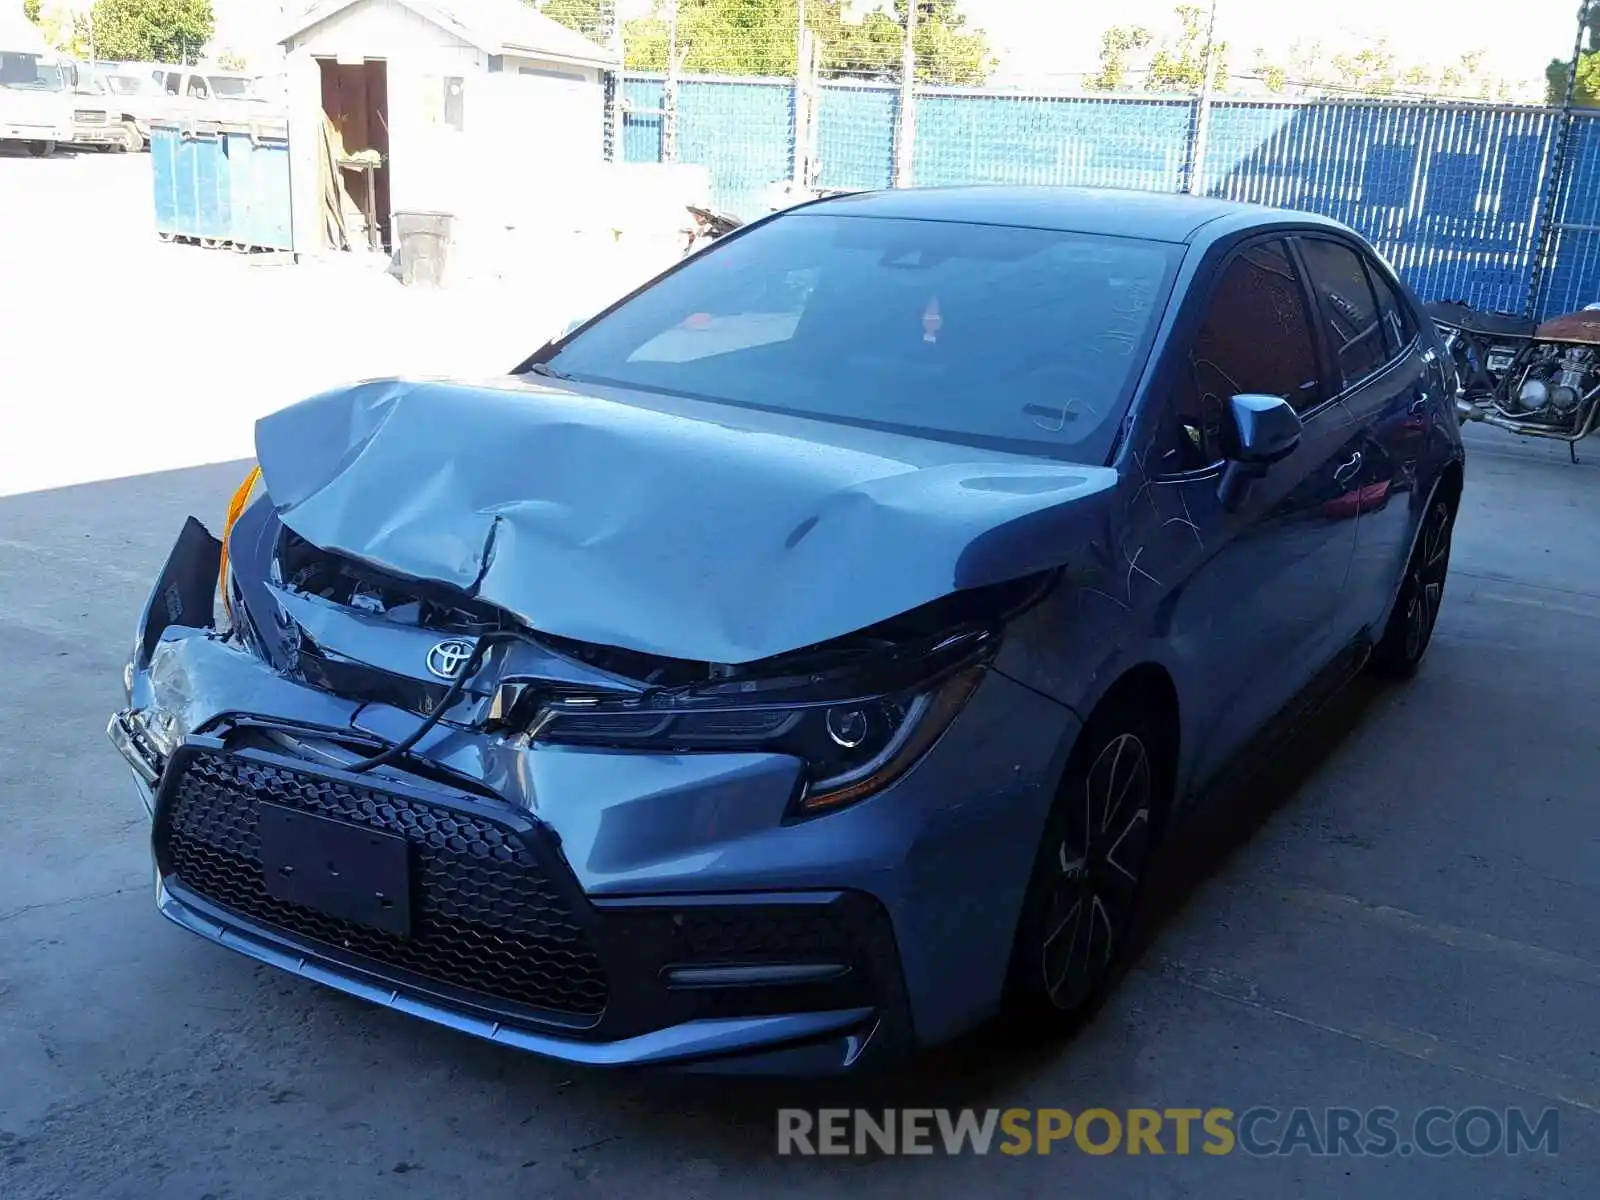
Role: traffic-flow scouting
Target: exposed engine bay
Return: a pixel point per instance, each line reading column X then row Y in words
column 845, row 707
column 1554, row 384
column 1536, row 379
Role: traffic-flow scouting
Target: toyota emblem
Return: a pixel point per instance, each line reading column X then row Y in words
column 448, row 658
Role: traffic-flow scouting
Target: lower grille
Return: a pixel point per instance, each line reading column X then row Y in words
column 486, row 919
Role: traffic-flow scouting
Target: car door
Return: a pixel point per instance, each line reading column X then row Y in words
column 1382, row 371
column 1262, row 580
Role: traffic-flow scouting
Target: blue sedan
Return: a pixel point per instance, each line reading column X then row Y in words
column 797, row 663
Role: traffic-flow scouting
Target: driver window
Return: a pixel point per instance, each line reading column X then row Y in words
column 1255, row 337
column 198, row 89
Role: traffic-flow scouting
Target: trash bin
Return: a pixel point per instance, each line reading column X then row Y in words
column 422, row 244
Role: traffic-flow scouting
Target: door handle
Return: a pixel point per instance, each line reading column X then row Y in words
column 1346, row 471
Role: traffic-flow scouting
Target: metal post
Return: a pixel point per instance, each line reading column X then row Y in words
column 669, row 95
column 905, row 129
column 616, row 84
column 1194, row 184
column 802, row 100
column 1544, row 218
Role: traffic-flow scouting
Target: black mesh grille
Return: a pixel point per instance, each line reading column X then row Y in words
column 485, row 918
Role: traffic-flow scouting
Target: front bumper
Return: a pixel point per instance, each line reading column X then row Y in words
column 97, row 135
column 34, row 133
column 723, row 937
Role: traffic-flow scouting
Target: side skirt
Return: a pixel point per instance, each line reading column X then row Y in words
column 1265, row 749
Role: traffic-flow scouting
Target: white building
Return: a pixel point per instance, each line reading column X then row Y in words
column 472, row 105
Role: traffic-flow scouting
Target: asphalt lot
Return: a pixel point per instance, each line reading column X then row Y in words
column 1407, row 921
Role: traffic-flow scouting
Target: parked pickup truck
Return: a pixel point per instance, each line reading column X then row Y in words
column 199, row 94
column 118, row 104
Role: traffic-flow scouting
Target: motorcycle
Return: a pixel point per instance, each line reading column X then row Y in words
column 1534, row 378
column 707, row 225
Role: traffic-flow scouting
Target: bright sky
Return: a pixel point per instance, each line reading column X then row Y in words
column 1045, row 37
column 1037, row 39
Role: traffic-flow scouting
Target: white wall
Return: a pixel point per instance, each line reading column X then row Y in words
column 429, row 163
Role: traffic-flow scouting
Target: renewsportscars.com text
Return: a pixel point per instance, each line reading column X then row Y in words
column 1259, row 1132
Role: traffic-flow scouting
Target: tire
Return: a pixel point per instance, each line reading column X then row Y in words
column 41, row 149
column 132, row 139
column 1409, row 631
column 1079, row 906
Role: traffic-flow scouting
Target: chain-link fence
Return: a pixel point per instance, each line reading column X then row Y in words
column 1469, row 196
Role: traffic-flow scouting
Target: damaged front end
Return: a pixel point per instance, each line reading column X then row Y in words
column 579, row 849
column 856, row 711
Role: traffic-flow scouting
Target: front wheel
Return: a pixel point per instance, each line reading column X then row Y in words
column 41, row 149
column 1409, row 632
column 1086, row 879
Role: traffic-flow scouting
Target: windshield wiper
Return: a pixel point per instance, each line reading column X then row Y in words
column 549, row 372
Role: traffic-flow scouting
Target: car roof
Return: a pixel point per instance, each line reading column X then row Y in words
column 1117, row 212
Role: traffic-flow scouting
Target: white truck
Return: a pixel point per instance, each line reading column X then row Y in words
column 114, row 108
column 36, row 101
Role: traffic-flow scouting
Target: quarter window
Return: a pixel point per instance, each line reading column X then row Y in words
column 1255, row 338
column 1349, row 309
column 1397, row 325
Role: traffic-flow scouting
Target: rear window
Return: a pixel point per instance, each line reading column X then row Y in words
column 1018, row 338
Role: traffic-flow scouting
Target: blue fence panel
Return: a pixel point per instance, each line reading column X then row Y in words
column 1572, row 278
column 1448, row 193
column 977, row 137
column 1452, row 194
column 641, row 119
column 742, row 130
column 855, row 135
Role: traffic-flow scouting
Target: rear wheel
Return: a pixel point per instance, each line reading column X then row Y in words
column 1416, row 610
column 1087, row 876
column 41, row 149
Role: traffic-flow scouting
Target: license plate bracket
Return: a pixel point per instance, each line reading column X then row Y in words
column 336, row 867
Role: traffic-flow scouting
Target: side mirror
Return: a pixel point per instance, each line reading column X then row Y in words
column 1266, row 429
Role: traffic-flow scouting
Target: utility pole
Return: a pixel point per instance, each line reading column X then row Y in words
column 802, row 100
column 669, row 99
column 1547, row 231
column 905, row 130
column 1202, row 114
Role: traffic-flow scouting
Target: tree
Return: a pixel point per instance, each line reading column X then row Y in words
column 1178, row 63
column 33, row 10
column 592, row 18
column 760, row 37
column 1115, row 46
column 1586, row 88
column 1376, row 69
column 149, row 30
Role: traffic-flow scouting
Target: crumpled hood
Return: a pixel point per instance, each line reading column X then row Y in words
column 677, row 528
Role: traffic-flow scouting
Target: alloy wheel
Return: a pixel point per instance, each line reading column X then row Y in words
column 1098, row 865
column 1425, row 588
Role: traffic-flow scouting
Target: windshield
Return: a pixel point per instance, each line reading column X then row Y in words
column 225, row 85
column 90, row 85
column 30, row 73
column 1023, row 339
column 129, row 85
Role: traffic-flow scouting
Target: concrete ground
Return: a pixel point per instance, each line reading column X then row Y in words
column 1405, row 920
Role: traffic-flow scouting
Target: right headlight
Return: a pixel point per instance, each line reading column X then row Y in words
column 852, row 747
